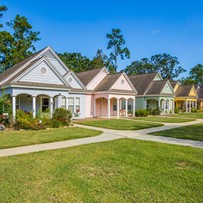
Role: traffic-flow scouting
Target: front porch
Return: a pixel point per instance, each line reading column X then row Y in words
column 165, row 105
column 185, row 105
column 44, row 101
column 114, row 106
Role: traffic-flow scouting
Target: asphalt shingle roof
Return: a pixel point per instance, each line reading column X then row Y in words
column 156, row 87
column 142, row 82
column 87, row 76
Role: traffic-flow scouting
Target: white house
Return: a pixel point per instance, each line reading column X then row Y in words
column 43, row 81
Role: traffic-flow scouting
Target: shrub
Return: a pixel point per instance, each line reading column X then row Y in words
column 141, row 113
column 62, row 115
column 25, row 121
column 194, row 110
column 176, row 110
column 156, row 111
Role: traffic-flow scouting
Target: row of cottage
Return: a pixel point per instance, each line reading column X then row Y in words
column 43, row 82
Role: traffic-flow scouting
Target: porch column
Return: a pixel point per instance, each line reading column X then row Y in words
column 66, row 103
column 34, row 106
column 133, row 108
column 118, row 108
column 164, row 103
column 186, row 106
column 108, row 108
column 14, row 108
column 159, row 104
column 173, row 106
column 126, row 108
column 51, row 106
column 94, row 108
column 190, row 104
column 195, row 104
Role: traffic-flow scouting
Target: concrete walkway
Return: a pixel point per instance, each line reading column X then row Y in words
column 109, row 135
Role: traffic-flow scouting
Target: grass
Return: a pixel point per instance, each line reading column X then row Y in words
column 192, row 132
column 23, row 138
column 165, row 119
column 124, row 170
column 189, row 115
column 119, row 124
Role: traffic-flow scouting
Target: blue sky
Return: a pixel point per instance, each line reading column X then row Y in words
column 149, row 27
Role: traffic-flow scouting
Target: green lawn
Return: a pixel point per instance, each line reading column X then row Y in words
column 164, row 119
column 192, row 132
column 22, row 138
column 189, row 115
column 124, row 170
column 119, row 124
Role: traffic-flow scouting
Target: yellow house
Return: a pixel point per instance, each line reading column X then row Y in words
column 199, row 89
column 185, row 96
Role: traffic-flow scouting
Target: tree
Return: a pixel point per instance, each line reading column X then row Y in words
column 165, row 64
column 116, row 42
column 187, row 81
column 100, row 60
column 19, row 45
column 139, row 67
column 2, row 9
column 76, row 62
column 196, row 73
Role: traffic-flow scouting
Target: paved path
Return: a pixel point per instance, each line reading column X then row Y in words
column 109, row 135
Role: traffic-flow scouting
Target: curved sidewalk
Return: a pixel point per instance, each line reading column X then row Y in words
column 108, row 135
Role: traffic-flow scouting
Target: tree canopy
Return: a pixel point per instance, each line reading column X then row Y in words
column 165, row 64
column 2, row 9
column 116, row 43
column 76, row 62
column 17, row 44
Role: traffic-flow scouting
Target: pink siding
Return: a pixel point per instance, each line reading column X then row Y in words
column 101, row 107
column 97, row 80
column 121, row 86
column 89, row 106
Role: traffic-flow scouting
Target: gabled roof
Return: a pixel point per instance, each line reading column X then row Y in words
column 142, row 81
column 156, row 87
column 87, row 76
column 183, row 90
column 17, row 66
column 174, row 83
column 107, row 82
column 199, row 89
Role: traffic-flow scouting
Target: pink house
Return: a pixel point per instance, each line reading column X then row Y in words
column 108, row 94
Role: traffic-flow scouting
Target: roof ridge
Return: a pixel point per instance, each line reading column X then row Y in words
column 90, row 70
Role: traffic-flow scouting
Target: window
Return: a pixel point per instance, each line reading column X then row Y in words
column 147, row 104
column 43, row 71
column 45, row 104
column 166, row 104
column 71, row 104
column 63, row 102
column 17, row 102
column 77, row 104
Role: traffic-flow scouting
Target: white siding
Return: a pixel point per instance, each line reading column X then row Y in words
column 55, row 62
column 82, row 103
column 35, row 75
column 167, row 89
column 74, row 83
column 157, row 77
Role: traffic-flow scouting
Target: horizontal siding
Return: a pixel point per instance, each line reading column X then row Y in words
column 74, row 83
column 35, row 75
column 97, row 80
column 119, row 86
column 58, row 66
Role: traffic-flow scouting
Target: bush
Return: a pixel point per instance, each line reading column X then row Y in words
column 141, row 113
column 194, row 110
column 156, row 111
column 176, row 110
column 25, row 121
column 62, row 115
